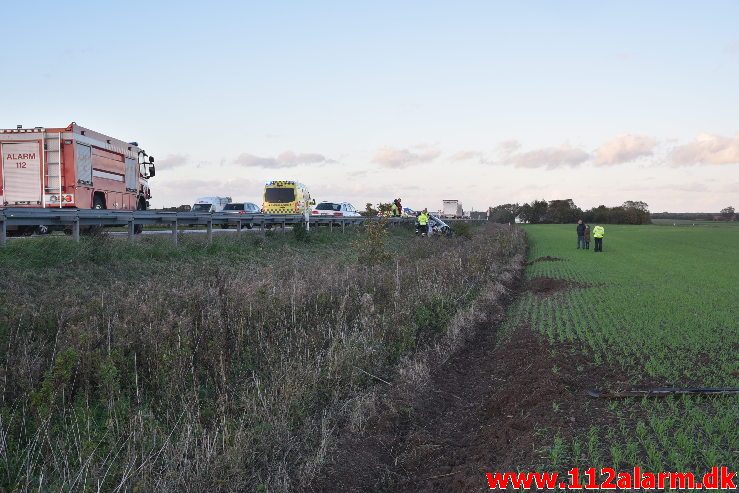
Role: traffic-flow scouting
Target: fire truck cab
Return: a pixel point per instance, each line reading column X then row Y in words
column 72, row 167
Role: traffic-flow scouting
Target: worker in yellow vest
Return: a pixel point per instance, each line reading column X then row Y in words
column 422, row 224
column 598, row 233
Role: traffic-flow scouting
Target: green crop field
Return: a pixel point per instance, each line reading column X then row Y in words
column 661, row 304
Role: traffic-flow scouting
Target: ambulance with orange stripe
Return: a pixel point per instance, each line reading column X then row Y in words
column 286, row 197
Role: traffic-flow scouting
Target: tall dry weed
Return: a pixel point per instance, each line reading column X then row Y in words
column 211, row 375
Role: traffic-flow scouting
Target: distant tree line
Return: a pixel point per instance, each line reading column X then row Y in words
column 565, row 211
column 726, row 214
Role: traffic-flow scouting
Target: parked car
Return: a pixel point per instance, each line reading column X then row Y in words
column 238, row 208
column 336, row 209
column 210, row 204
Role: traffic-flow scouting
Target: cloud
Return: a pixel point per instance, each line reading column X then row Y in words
column 466, row 156
column 623, row 149
column 545, row 157
column 287, row 159
column 706, row 149
column 172, row 161
column 389, row 157
column 509, row 146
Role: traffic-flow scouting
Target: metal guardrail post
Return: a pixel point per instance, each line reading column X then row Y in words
column 76, row 229
column 174, row 232
column 3, row 231
column 238, row 226
column 343, row 223
column 331, row 226
column 131, row 230
column 210, row 231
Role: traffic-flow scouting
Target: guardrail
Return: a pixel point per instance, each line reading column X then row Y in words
column 75, row 219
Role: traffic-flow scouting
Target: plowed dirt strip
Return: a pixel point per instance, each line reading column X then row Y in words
column 484, row 410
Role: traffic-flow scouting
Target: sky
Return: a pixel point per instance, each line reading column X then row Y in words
column 486, row 102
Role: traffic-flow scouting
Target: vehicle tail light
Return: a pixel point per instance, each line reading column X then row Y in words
column 314, row 212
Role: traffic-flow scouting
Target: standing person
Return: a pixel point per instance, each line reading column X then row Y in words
column 598, row 233
column 586, row 235
column 400, row 207
column 580, row 234
column 423, row 222
column 394, row 208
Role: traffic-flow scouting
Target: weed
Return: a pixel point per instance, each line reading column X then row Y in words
column 462, row 229
column 212, row 368
column 371, row 247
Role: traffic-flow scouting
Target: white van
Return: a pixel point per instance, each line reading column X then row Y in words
column 210, row 204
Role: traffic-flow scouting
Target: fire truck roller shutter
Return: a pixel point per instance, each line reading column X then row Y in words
column 131, row 172
column 22, row 173
column 84, row 164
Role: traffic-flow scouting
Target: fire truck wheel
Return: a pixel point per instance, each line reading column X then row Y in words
column 98, row 203
column 248, row 226
column 139, row 228
column 224, row 226
column 42, row 230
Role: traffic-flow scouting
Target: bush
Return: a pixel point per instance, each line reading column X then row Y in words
column 463, row 229
column 300, row 233
column 371, row 248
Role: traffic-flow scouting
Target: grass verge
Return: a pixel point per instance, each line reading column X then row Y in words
column 226, row 367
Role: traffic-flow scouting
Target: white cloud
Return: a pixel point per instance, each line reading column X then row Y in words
column 389, row 157
column 509, row 146
column 545, row 157
column 172, row 161
column 466, row 156
column 706, row 149
column 623, row 149
column 287, row 159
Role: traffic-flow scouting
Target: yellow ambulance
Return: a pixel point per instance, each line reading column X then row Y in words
column 286, row 197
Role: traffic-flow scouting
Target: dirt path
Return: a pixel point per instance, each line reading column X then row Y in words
column 481, row 412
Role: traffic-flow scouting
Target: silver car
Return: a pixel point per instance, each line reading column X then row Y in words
column 241, row 208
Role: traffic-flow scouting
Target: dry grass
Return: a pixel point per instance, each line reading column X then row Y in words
column 218, row 372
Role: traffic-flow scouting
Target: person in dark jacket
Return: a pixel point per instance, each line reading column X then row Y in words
column 587, row 237
column 580, row 234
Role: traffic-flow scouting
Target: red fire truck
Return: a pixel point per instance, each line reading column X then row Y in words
column 72, row 167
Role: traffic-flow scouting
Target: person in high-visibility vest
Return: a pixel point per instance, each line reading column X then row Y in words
column 598, row 233
column 423, row 221
column 394, row 209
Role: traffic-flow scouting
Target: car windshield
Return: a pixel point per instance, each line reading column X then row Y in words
column 328, row 206
column 234, row 207
column 251, row 207
column 201, row 208
column 279, row 195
